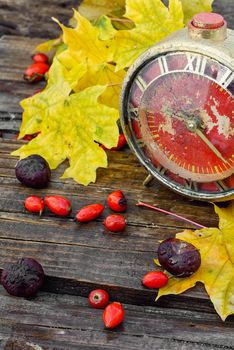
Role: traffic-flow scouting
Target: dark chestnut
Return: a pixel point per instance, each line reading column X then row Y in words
column 23, row 278
column 33, row 171
column 179, row 257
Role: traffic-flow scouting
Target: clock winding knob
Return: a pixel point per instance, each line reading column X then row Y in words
column 207, row 25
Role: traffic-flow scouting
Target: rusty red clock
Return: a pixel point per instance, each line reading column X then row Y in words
column 177, row 110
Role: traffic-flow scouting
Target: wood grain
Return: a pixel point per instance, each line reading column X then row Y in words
column 70, row 323
column 33, row 19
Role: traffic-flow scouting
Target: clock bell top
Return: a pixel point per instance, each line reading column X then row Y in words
column 208, row 26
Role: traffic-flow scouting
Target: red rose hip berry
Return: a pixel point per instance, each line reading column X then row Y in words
column 89, row 212
column 40, row 57
column 113, row 315
column 117, row 201
column 121, row 143
column 98, row 298
column 36, row 72
column 155, row 279
column 115, row 223
column 59, row 205
column 34, row 204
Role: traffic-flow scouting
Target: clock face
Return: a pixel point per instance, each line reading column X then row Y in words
column 180, row 121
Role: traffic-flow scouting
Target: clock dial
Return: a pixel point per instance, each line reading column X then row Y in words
column 185, row 124
column 181, row 117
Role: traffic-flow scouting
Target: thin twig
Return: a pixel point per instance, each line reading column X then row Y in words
column 141, row 204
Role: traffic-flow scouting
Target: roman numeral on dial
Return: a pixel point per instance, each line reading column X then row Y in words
column 162, row 61
column 141, row 83
column 196, row 64
column 221, row 185
column 161, row 169
column 226, row 79
column 191, row 185
column 133, row 111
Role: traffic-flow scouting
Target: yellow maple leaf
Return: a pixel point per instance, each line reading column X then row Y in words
column 85, row 39
column 99, row 55
column 54, row 46
column 59, row 85
column 106, row 29
column 153, row 22
column 70, row 126
column 68, row 68
column 104, row 74
column 217, row 270
column 93, row 9
column 191, row 7
column 84, row 70
column 226, row 225
column 48, row 45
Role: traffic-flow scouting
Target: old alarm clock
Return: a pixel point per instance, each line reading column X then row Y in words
column 177, row 109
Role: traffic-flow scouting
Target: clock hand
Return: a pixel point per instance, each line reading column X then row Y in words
column 194, row 124
column 210, row 145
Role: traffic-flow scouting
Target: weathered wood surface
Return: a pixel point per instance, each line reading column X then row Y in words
column 33, row 18
column 55, row 320
column 78, row 258
column 62, row 244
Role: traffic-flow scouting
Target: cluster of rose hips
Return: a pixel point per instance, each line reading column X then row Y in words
column 113, row 313
column 36, row 71
column 25, row 278
column 61, row 206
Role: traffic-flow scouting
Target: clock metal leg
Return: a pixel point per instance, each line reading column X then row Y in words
column 148, row 179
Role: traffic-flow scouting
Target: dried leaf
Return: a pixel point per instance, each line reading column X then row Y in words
column 217, row 270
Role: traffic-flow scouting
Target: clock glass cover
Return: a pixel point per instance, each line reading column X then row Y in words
column 180, row 122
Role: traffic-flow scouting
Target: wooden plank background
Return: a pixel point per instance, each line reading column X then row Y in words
column 78, row 258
